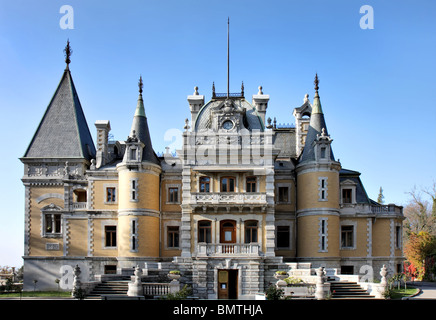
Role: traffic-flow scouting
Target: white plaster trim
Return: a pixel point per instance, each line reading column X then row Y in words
column 321, row 189
column 105, row 223
column 354, row 225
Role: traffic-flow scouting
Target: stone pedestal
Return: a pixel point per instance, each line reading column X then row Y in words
column 135, row 287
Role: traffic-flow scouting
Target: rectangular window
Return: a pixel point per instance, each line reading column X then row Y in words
column 347, row 270
column 204, row 184
column 204, row 231
column 283, row 234
column 173, row 195
column 227, row 184
column 52, row 223
column 134, row 190
column 346, row 195
column 250, row 231
column 110, row 194
column 347, row 236
column 323, row 235
column 398, row 236
column 110, row 269
column 323, row 151
column 110, row 236
column 251, row 184
column 173, row 237
column 322, row 189
column 133, row 154
column 283, row 194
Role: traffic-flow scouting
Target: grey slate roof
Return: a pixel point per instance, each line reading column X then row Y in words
column 354, row 176
column 316, row 124
column 140, row 125
column 63, row 131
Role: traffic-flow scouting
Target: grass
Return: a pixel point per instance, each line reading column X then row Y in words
column 398, row 294
column 36, row 294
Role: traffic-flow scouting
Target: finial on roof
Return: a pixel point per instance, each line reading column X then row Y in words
column 140, row 84
column 260, row 90
column 306, row 97
column 195, row 91
column 68, row 51
column 213, row 89
column 316, row 82
column 242, row 88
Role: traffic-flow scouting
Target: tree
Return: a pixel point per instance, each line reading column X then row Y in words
column 380, row 198
column 417, row 248
column 420, row 213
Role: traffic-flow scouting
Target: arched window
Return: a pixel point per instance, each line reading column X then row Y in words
column 250, row 231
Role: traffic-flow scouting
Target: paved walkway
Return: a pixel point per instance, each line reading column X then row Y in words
column 428, row 290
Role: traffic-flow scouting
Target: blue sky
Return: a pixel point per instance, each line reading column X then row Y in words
column 377, row 86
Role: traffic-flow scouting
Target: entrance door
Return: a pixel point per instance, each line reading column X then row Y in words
column 227, row 284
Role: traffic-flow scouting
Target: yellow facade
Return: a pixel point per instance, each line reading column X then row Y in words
column 43, row 197
column 308, row 186
column 310, row 236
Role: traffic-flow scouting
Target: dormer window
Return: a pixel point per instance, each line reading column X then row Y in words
column 323, row 152
column 133, row 154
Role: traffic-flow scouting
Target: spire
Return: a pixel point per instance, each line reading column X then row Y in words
column 140, row 85
column 316, row 107
column 63, row 131
column 68, row 52
column 228, row 57
column 317, row 127
column 140, row 128
column 140, row 110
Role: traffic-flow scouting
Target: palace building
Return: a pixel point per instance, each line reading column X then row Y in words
column 240, row 200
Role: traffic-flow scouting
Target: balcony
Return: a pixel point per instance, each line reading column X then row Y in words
column 205, row 198
column 228, row 250
column 387, row 209
column 79, row 205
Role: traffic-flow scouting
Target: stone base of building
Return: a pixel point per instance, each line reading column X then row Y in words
column 209, row 277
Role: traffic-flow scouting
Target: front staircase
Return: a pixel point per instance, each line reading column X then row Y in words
column 342, row 290
column 114, row 288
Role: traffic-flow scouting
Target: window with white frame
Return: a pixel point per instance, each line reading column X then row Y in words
column 110, row 194
column 283, row 193
column 52, row 224
column 134, row 235
column 134, row 189
column 173, row 236
column 322, row 189
column 347, row 236
column 173, row 193
column 323, row 235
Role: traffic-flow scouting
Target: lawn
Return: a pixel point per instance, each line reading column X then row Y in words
column 401, row 293
column 36, row 294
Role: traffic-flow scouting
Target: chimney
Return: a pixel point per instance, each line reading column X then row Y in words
column 103, row 128
column 260, row 102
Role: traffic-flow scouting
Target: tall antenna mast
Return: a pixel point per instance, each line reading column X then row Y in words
column 228, row 58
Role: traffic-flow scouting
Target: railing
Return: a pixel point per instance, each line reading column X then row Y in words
column 220, row 249
column 156, row 289
column 228, row 198
column 388, row 209
column 224, row 95
column 79, row 205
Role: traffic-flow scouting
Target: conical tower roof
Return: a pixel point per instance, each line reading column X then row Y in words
column 140, row 129
column 63, row 131
column 316, row 125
